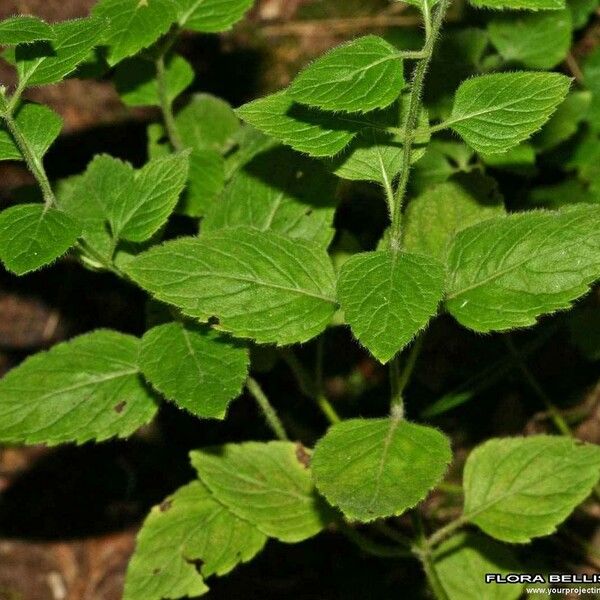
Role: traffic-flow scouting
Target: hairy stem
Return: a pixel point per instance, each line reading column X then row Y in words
column 431, row 574
column 400, row 375
column 371, row 547
column 443, row 532
column 267, row 408
column 166, row 106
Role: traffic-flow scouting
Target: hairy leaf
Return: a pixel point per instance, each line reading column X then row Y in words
column 520, row 488
column 85, row 389
column 255, row 284
column 522, row 4
column 506, row 272
column 195, row 367
column 24, row 29
column 211, row 16
column 372, row 468
column 267, row 484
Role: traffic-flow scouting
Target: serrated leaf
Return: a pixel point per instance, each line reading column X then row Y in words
column 388, row 297
column 134, row 24
column 24, row 29
column 463, row 561
column 538, row 40
column 267, row 484
column 206, row 182
column 195, row 367
column 88, row 388
column 135, row 80
column 257, row 284
column 555, row 474
column 506, row 272
column 496, row 112
column 437, row 215
column 247, row 143
column 279, row 191
column 521, row 4
column 211, row 16
column 38, row 124
column 31, row 236
column 188, row 527
column 372, row 468
column 43, row 63
column 362, row 75
column 305, row 129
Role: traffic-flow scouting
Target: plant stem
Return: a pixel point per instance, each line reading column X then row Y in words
column 269, row 412
column 414, row 108
column 431, row 574
column 166, row 106
column 399, row 377
column 370, row 546
column 444, row 532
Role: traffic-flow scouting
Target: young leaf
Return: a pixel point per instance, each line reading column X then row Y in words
column 506, row 272
column 372, row 468
column 463, row 561
column 189, row 527
column 24, row 29
column 256, row 284
column 31, row 236
column 211, row 16
column 135, row 79
column 85, row 389
column 388, row 297
column 267, row 484
column 436, row 216
column 305, row 129
column 522, row 4
column 279, row 191
column 38, row 124
column 362, row 75
column 43, row 63
column 538, row 40
column 496, row 112
column 194, row 366
column 206, row 181
column 520, row 488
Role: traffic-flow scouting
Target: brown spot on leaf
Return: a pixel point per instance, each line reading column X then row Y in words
column 166, row 505
column 119, row 408
column 302, row 455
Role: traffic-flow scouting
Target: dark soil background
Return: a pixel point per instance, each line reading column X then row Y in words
column 68, row 516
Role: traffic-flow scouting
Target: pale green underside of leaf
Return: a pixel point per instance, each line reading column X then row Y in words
column 31, row 237
column 134, row 24
column 388, row 297
column 24, row 29
column 463, row 561
column 433, row 218
column 506, row 272
column 520, row 488
column 496, row 112
column 281, row 191
column 373, row 468
column 38, row 124
column 85, row 389
column 265, row 484
column 189, row 526
column 362, row 75
column 257, row 284
column 197, row 368
column 521, row 4
column 535, row 40
column 211, row 16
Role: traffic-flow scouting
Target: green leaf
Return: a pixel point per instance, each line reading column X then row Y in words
column 520, row 488
column 581, row 10
column 195, row 367
column 206, row 182
column 372, row 468
column 463, row 561
column 247, row 143
column 279, row 191
column 434, row 218
column 189, row 527
column 506, row 272
column 211, row 16
column 305, row 129
column 362, row 75
column 24, row 29
column 135, row 79
column 496, row 112
column 134, row 24
column 537, row 40
column 43, row 63
column 267, row 484
column 521, row 4
column 31, row 236
column 88, row 388
column 519, row 159
column 39, row 125
column 258, row 284
column 388, row 297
